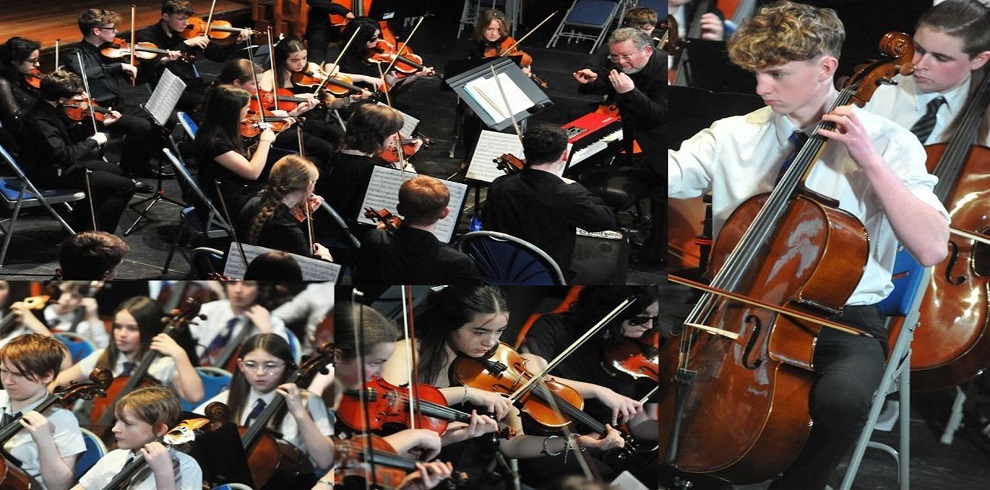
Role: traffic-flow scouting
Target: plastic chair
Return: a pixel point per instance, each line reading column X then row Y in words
column 294, row 345
column 589, row 15
column 910, row 281
column 506, row 260
column 205, row 261
column 189, row 220
column 79, row 346
column 95, row 449
column 214, row 380
column 188, row 124
column 18, row 192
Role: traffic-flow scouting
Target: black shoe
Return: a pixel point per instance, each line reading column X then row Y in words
column 142, row 187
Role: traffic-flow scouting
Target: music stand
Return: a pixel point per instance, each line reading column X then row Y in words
column 393, row 9
column 477, row 88
column 160, row 106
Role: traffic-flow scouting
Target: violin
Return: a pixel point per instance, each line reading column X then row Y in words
column 409, row 148
column 503, row 371
column 509, row 47
column 78, row 109
column 33, row 78
column 391, row 221
column 338, row 85
column 287, row 101
column 219, row 30
column 8, row 323
column 509, row 163
column 351, row 462
column 638, row 358
column 390, row 405
column 405, row 64
column 103, row 413
column 120, row 48
column 266, row 453
column 253, row 125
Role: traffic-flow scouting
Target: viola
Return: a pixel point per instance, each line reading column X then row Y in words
column 638, row 358
column 219, row 30
column 503, row 371
column 391, row 221
column 8, row 323
column 120, row 48
column 33, row 78
column 390, row 405
column 508, row 47
column 268, row 455
column 509, row 163
column 79, row 109
column 253, row 125
column 103, row 413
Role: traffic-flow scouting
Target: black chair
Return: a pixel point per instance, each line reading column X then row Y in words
column 506, row 260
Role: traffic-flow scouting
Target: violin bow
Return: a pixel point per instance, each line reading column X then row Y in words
column 89, row 98
column 254, row 75
column 405, row 45
column 411, row 363
column 209, row 20
column 336, row 62
column 57, row 43
column 133, row 39
column 226, row 213
column 276, row 80
column 512, row 116
column 513, row 46
column 89, row 192
column 370, row 480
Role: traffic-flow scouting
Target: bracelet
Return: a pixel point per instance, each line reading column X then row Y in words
column 467, row 396
column 326, row 482
column 547, row 452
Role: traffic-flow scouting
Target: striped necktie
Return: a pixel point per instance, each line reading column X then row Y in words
column 259, row 406
column 219, row 342
column 926, row 123
column 797, row 140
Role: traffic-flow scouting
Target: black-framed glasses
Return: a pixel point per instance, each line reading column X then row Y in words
column 641, row 320
column 33, row 61
column 111, row 28
column 614, row 58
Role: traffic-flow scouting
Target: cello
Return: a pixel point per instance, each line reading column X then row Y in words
column 954, row 311
column 748, row 370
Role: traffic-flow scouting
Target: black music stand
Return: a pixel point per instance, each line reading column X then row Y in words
column 467, row 87
column 160, row 107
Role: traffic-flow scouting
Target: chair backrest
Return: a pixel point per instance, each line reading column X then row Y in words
column 206, row 260
column 908, row 277
column 95, row 449
column 187, row 124
column 592, row 13
column 214, row 381
column 11, row 188
column 180, row 167
column 294, row 345
column 79, row 346
column 504, row 259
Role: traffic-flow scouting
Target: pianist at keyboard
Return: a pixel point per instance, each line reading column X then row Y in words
column 635, row 76
column 543, row 208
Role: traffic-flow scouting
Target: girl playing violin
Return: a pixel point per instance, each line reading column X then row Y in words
column 143, row 416
column 378, row 340
column 264, row 365
column 221, row 152
column 610, row 395
column 137, row 328
column 20, row 81
column 468, row 321
column 268, row 219
column 491, row 38
column 360, row 57
column 48, row 445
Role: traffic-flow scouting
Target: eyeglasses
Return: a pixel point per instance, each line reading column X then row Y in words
column 33, row 61
column 111, row 28
column 641, row 320
column 614, row 58
column 266, row 368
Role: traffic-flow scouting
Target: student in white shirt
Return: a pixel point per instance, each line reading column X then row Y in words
column 214, row 334
column 61, row 315
column 137, row 328
column 144, row 416
column 263, row 368
column 48, row 445
column 874, row 168
column 952, row 42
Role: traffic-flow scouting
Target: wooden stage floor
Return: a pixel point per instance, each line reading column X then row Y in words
column 48, row 20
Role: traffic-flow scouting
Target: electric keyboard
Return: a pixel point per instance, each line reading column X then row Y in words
column 590, row 134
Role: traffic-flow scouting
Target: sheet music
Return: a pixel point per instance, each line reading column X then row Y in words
column 486, row 93
column 383, row 192
column 312, row 269
column 492, row 145
column 166, row 95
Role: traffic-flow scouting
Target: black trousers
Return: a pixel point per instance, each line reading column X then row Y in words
column 110, row 192
column 851, row 368
column 141, row 141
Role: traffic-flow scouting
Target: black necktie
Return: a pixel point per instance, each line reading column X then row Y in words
column 259, row 406
column 8, row 418
column 797, row 140
column 926, row 123
column 128, row 368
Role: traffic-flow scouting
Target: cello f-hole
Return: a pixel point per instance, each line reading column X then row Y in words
column 753, row 338
column 981, row 256
column 953, row 258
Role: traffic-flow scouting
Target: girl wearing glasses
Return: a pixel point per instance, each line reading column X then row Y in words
column 137, row 328
column 20, row 81
column 610, row 396
column 262, row 370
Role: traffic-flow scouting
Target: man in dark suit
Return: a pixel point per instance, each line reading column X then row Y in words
column 412, row 254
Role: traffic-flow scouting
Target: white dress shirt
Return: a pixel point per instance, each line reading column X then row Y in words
column 217, row 314
column 162, row 369
column 189, row 476
column 904, row 104
column 739, row 157
column 68, row 439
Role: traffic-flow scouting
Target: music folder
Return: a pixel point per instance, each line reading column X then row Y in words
column 492, row 97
